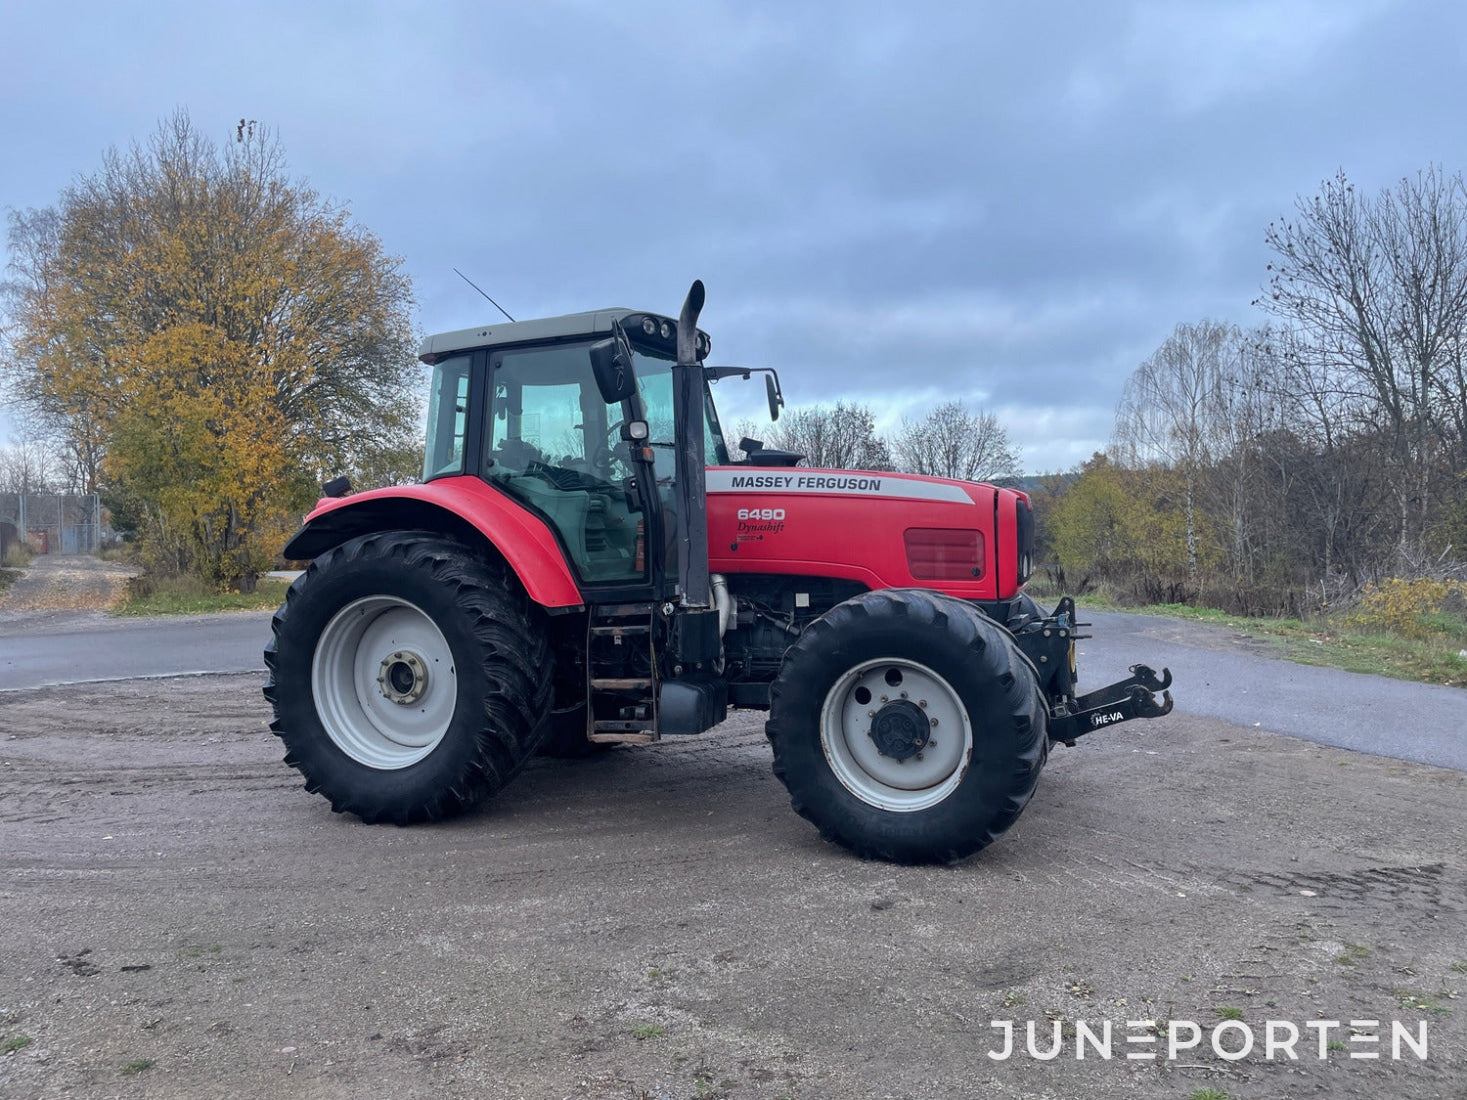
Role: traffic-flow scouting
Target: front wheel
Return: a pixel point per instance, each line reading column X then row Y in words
column 907, row 727
column 407, row 677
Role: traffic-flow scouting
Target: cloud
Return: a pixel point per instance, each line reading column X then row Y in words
column 890, row 203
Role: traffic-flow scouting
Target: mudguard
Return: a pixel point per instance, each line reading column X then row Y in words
column 448, row 505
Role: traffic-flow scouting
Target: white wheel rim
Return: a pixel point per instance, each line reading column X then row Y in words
column 921, row 780
column 384, row 681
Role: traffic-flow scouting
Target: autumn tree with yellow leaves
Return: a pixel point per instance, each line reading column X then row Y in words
column 209, row 339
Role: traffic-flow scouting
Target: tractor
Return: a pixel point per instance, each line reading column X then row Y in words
column 583, row 565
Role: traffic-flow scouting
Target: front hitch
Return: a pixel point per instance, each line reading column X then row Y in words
column 1134, row 697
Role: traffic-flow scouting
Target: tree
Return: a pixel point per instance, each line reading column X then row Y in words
column 1377, row 291
column 838, row 437
column 952, row 442
column 1125, row 525
column 211, row 338
column 1181, row 408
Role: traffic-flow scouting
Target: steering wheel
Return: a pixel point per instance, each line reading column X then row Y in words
column 614, row 447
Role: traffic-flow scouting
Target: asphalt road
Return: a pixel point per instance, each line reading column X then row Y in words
column 82, row 647
column 1219, row 673
column 1222, row 673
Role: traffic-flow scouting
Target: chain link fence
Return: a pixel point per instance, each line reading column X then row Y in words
column 51, row 523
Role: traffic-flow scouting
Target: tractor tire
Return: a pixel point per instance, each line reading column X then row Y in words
column 408, row 677
column 907, row 727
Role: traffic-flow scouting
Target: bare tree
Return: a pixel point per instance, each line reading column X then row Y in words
column 1377, row 290
column 838, row 437
column 746, row 428
column 1173, row 406
column 952, row 442
column 26, row 467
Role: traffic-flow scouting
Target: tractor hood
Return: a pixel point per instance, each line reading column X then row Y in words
column 880, row 529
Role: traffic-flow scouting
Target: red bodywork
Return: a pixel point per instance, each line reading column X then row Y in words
column 522, row 537
column 851, row 525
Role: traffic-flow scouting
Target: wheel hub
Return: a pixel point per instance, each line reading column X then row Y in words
column 900, row 729
column 896, row 734
column 384, row 681
column 403, row 677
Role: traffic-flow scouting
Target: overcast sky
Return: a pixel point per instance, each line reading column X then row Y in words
column 894, row 203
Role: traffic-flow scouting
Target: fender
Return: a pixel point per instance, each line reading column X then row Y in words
column 458, row 505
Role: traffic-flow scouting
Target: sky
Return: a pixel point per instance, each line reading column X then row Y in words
column 893, row 204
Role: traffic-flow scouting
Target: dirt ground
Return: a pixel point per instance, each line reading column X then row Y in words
column 66, row 582
column 180, row 918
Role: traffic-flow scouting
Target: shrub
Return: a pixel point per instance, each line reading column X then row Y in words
column 1412, row 609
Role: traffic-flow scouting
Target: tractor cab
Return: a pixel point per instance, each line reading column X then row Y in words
column 521, row 406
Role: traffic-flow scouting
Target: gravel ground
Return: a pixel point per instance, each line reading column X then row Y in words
column 180, row 918
column 64, row 582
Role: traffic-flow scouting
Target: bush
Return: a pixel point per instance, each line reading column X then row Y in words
column 18, row 555
column 1417, row 609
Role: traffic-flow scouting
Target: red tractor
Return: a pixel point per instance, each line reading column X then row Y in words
column 583, row 564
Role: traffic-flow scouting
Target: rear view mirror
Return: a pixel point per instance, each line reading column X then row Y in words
column 611, row 363
column 771, row 383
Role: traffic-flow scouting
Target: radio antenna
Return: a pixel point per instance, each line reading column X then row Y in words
column 475, row 285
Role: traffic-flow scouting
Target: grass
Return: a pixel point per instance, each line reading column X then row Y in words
column 1228, row 1012
column 14, row 1043
column 1210, row 1094
column 137, row 1066
column 191, row 596
column 8, row 577
column 1334, row 642
column 18, row 556
column 647, row 1031
column 1421, row 1001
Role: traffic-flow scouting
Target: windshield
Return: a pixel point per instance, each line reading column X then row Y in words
column 654, row 379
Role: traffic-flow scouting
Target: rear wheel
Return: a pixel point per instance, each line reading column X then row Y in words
column 407, row 677
column 907, row 727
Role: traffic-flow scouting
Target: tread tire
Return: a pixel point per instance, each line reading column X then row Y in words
column 995, row 684
column 500, row 649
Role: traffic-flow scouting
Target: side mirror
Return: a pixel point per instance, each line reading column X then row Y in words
column 776, row 399
column 611, row 363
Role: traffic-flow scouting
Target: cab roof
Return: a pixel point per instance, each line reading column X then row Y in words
column 596, row 322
